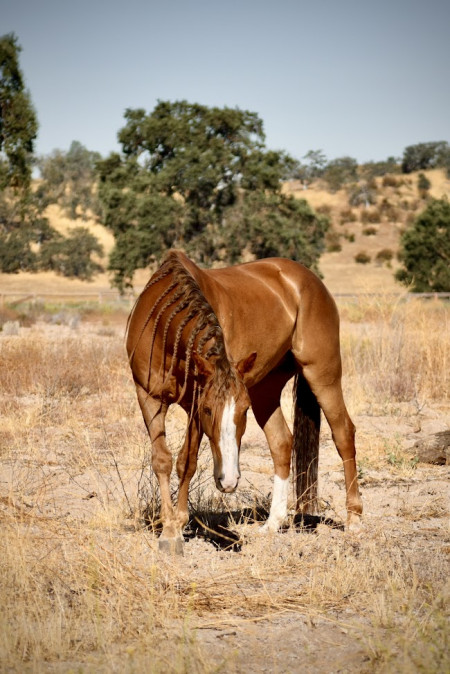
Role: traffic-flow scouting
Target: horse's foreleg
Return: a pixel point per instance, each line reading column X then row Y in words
column 279, row 439
column 266, row 408
column 154, row 413
column 186, row 467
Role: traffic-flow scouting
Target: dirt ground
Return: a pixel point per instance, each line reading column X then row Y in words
column 406, row 514
column 300, row 600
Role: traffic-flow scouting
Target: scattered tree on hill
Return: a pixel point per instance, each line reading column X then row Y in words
column 426, row 156
column 377, row 169
column 69, row 179
column 269, row 224
column 186, row 174
column 340, row 171
column 423, row 185
column 311, row 168
column 362, row 193
column 425, row 250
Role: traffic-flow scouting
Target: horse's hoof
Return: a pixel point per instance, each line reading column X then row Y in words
column 354, row 524
column 268, row 528
column 171, row 546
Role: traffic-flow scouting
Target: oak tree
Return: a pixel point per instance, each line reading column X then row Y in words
column 184, row 174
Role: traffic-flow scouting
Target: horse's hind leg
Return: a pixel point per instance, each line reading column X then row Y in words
column 330, row 399
column 154, row 413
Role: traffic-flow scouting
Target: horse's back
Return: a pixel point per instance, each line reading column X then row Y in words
column 277, row 281
column 272, row 305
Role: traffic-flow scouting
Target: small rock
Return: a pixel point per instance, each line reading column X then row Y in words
column 434, row 449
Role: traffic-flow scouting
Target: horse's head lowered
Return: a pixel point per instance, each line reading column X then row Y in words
column 223, row 414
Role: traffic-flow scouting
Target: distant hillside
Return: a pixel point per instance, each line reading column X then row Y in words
column 354, row 229
column 368, row 229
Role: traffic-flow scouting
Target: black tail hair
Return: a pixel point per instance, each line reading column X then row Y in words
column 305, row 447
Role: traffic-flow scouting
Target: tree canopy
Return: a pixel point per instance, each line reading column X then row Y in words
column 18, row 121
column 27, row 241
column 69, row 178
column 185, row 173
column 424, row 156
column 425, row 250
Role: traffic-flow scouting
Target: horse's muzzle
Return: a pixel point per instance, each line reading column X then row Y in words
column 227, row 485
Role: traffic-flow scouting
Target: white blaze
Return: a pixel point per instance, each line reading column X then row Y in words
column 228, row 447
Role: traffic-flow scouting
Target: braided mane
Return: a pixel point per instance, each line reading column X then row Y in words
column 183, row 296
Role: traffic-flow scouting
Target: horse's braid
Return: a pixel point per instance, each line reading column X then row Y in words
column 179, row 307
column 163, row 271
column 199, row 326
column 176, row 344
column 165, row 306
column 147, row 320
column 205, row 338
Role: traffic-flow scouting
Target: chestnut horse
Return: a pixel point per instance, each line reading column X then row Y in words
column 219, row 340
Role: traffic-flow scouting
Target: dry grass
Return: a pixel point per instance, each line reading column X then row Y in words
column 84, row 587
column 397, row 350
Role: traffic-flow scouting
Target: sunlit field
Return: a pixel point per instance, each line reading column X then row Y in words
column 83, row 585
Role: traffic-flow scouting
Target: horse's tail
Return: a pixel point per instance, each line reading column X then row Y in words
column 305, row 447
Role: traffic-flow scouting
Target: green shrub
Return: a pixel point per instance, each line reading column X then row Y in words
column 423, row 185
column 372, row 215
column 370, row 231
column 347, row 215
column 362, row 257
column 425, row 250
column 384, row 255
column 332, row 241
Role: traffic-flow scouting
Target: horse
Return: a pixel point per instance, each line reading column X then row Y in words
column 217, row 341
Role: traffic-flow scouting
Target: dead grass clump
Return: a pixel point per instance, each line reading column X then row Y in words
column 390, row 180
column 397, row 351
column 347, row 215
column 384, row 256
column 68, row 366
column 370, row 231
column 409, row 631
column 67, row 591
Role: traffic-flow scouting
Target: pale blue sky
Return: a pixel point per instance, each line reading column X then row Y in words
column 349, row 77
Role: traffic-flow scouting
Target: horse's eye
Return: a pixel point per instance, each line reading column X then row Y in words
column 207, row 411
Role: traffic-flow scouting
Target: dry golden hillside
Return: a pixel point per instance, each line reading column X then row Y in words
column 369, row 230
column 356, row 230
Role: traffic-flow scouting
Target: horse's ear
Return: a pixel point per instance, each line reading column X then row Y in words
column 245, row 365
column 205, row 367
